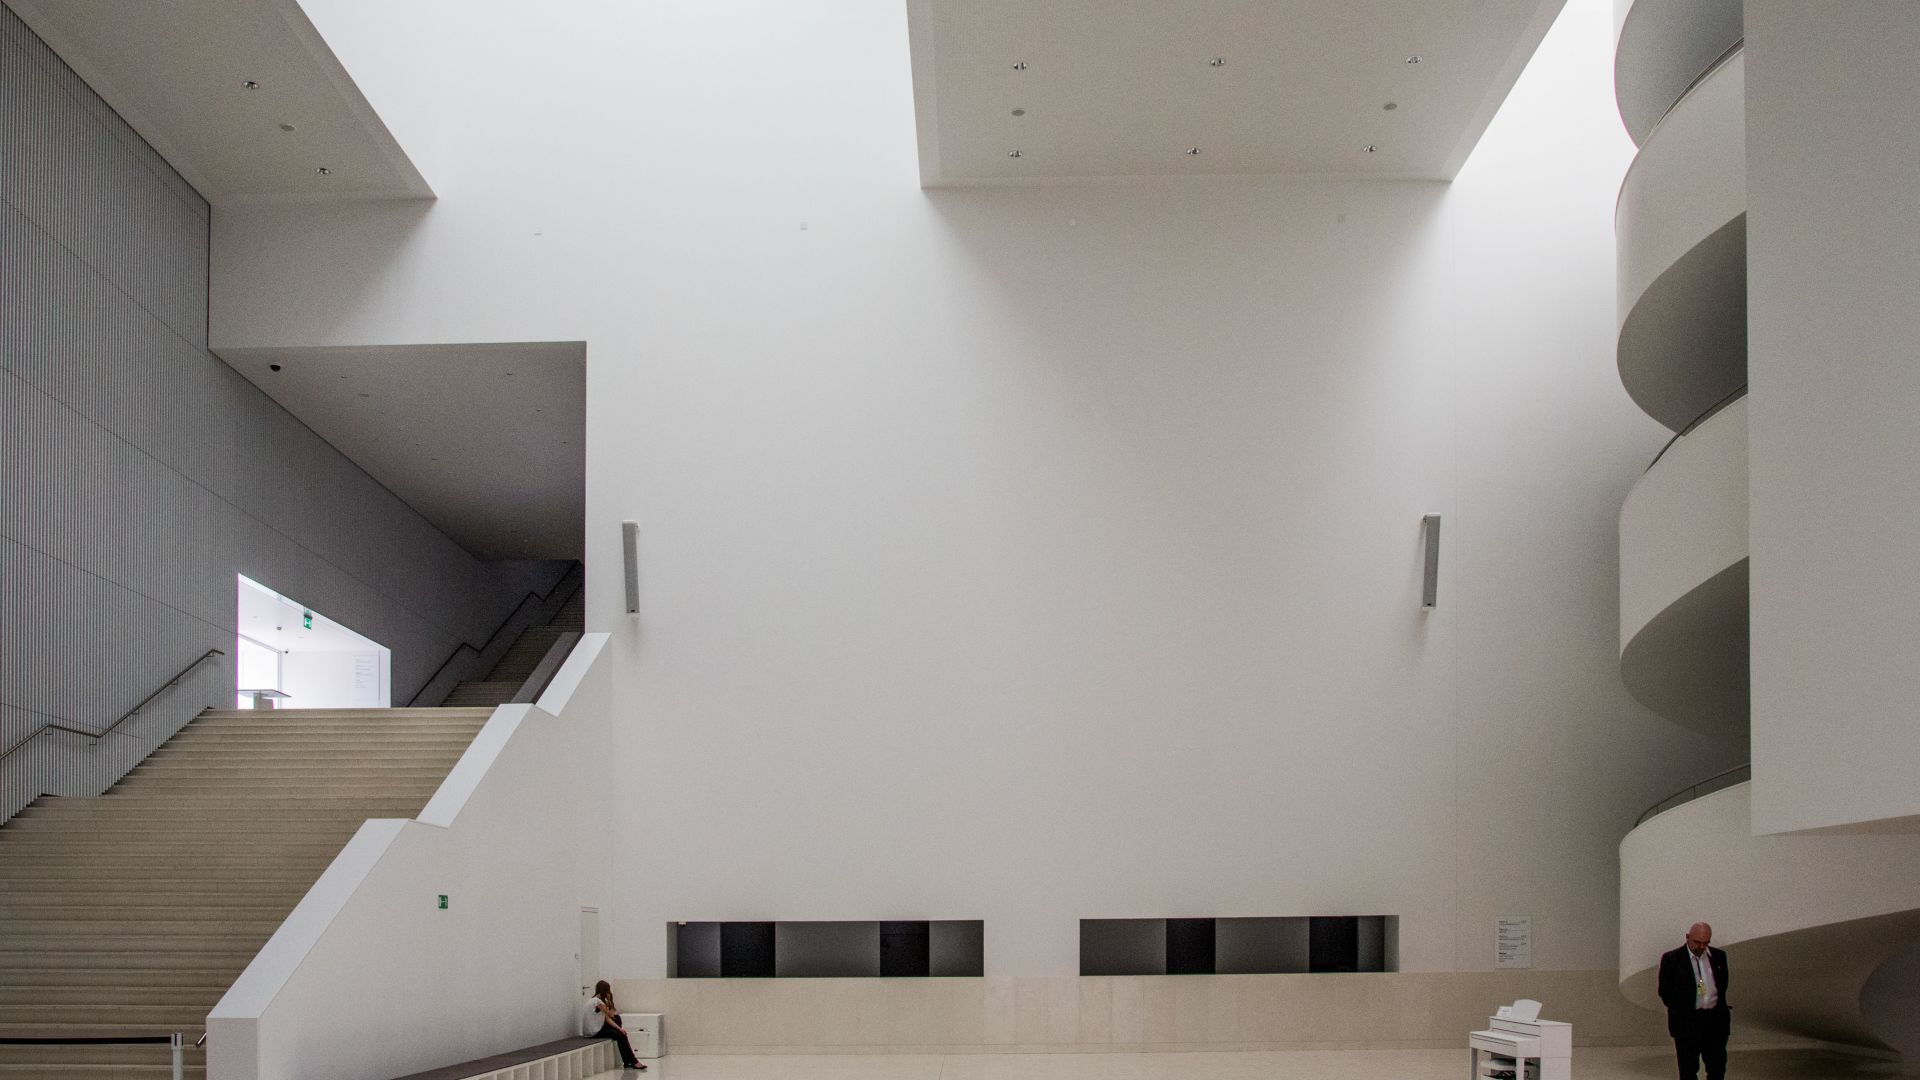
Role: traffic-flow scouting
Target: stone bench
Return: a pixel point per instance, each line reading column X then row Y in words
column 563, row 1059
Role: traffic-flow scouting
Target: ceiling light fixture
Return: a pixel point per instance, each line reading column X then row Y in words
column 1019, row 65
column 1371, row 148
column 1013, row 153
column 1390, row 106
column 1019, row 112
column 1193, row 151
column 1414, row 59
column 286, row 127
column 1218, row 61
column 323, row 171
column 249, row 85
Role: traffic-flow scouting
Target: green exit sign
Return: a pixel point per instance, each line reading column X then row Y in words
column 443, row 901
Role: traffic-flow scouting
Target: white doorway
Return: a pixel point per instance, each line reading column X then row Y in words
column 290, row 656
column 589, row 956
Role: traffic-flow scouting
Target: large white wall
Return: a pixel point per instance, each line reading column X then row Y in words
column 1834, row 265
column 1035, row 554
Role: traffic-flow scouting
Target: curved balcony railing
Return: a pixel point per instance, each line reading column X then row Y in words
column 1739, row 774
column 1662, row 48
column 1683, row 579
column 1680, row 225
column 1805, row 919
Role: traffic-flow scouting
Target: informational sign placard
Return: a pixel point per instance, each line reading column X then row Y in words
column 366, row 679
column 1513, row 941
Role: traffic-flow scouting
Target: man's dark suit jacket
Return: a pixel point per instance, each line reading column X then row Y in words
column 1676, row 983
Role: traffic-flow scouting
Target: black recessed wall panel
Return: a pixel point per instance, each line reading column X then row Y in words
column 746, row 950
column 693, row 950
column 905, row 949
column 1190, row 946
column 1333, row 943
column 957, row 948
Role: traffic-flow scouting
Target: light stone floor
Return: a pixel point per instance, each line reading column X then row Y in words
column 1589, row 1063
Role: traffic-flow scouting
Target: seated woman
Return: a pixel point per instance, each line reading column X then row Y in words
column 602, row 1008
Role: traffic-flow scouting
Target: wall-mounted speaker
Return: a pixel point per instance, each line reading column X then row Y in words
column 1430, row 588
column 630, row 558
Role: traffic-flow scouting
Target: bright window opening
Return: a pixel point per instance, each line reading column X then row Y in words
column 292, row 657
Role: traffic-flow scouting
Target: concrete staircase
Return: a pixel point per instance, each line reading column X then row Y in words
column 514, row 667
column 131, row 913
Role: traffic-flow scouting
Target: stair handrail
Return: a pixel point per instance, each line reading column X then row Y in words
column 532, row 597
column 124, row 717
column 1712, row 411
column 1693, row 791
column 177, row 1040
column 546, row 669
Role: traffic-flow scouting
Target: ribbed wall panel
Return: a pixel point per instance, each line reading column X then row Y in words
column 140, row 473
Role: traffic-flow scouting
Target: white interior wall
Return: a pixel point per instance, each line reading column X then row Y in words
column 1834, row 264
column 1037, row 554
column 335, row 680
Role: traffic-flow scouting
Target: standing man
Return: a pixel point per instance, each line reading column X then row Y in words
column 1693, row 986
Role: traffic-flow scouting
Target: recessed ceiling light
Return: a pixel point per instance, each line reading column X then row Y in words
column 1019, row 112
column 286, row 127
column 249, row 85
column 1019, row 65
column 1390, row 106
column 1013, row 153
column 323, row 171
column 1193, row 151
column 1218, row 61
column 1371, row 148
column 273, row 367
column 1414, row 59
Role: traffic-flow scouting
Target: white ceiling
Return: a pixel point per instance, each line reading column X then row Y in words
column 1124, row 88
column 486, row 441
column 176, row 71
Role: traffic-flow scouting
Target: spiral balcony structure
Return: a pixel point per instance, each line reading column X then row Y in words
column 1806, row 919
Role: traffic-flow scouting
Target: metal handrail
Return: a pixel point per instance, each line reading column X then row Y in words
column 546, row 669
column 1718, row 63
column 532, row 597
column 177, row 1040
column 1693, row 791
column 124, row 717
column 1712, row 411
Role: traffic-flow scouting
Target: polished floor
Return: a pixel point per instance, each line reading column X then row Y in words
column 1610, row 1063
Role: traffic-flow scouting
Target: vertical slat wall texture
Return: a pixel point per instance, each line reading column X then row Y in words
column 140, row 473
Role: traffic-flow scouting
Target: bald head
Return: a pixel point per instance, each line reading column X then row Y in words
column 1699, row 936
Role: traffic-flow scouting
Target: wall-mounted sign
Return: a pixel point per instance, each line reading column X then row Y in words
column 1513, row 941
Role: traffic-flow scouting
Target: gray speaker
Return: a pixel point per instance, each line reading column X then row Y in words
column 630, row 556
column 1430, row 589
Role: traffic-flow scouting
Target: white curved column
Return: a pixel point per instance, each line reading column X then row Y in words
column 1660, row 48
column 1682, row 277
column 1805, row 920
column 1683, row 579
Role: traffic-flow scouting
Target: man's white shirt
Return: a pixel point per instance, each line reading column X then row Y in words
column 1706, row 993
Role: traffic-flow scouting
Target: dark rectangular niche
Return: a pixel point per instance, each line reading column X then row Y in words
column 906, row 949
column 746, row 950
column 693, row 950
column 1260, row 946
column 1240, row 946
column 1123, row 946
column 1190, row 946
column 818, row 950
column 957, row 948
column 1333, row 943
